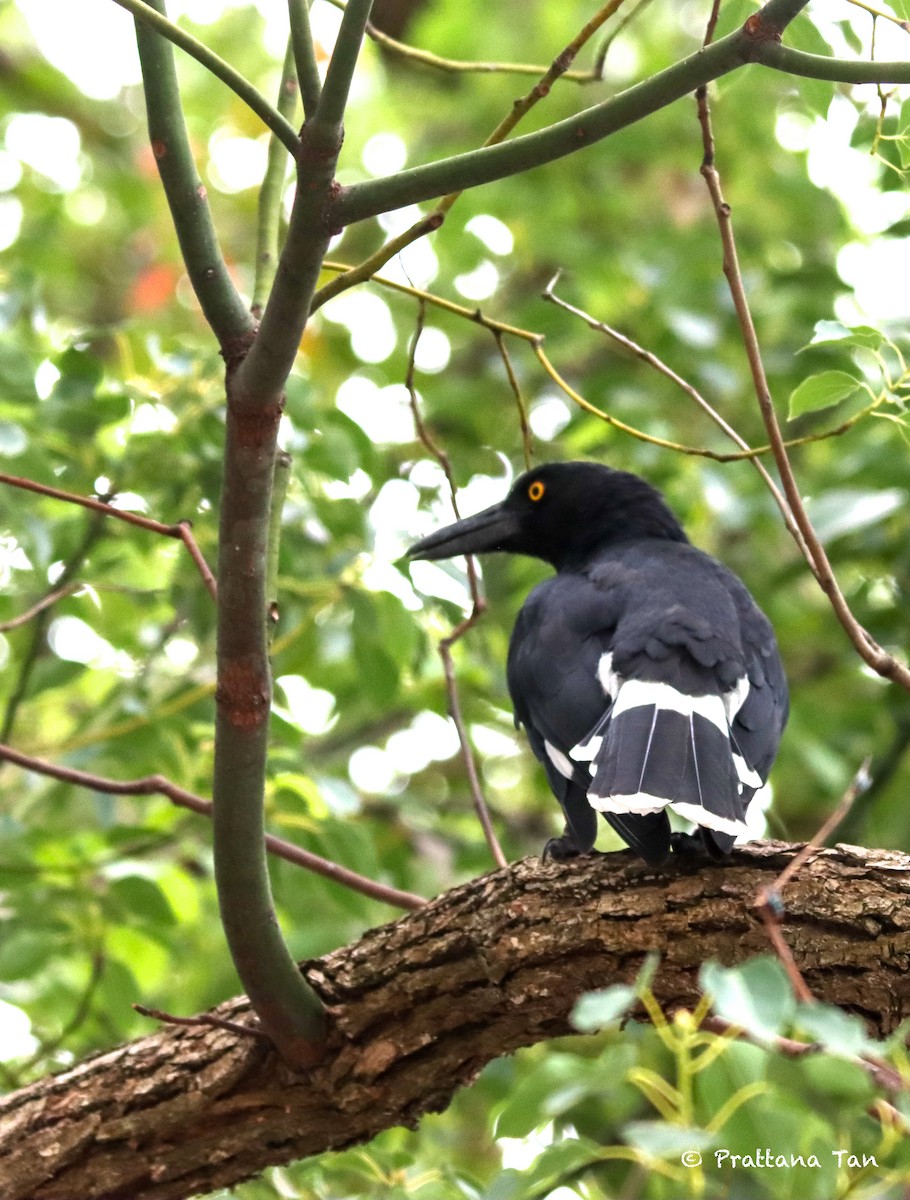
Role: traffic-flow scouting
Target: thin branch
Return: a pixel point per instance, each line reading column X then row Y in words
column 519, row 399
column 882, row 1074
column 478, row 607
column 45, row 602
column 334, row 98
column 157, row 785
column 304, row 55
column 870, row 651
column 156, row 19
column 33, row 652
column 280, row 484
column 877, row 13
column 690, row 390
column 519, row 110
column 268, row 205
column 484, row 165
column 221, row 303
column 185, row 533
column 457, row 66
column 376, row 261
column 835, row 70
column 476, row 315
column 208, row 1020
column 182, row 530
column 639, row 434
column 768, row 900
column 80, row 1015
column 603, row 50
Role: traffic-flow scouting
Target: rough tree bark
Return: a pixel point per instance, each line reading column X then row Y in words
column 419, row 1006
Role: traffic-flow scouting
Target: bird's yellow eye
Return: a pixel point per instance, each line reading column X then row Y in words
column 536, row 490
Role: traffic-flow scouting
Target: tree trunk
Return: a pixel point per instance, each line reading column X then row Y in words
column 417, row 1007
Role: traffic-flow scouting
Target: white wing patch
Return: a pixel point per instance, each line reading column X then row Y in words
column 607, row 677
column 559, row 761
column 736, row 697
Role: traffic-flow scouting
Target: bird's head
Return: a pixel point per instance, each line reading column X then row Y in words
column 562, row 513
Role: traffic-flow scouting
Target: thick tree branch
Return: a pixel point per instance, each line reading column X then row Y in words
column 287, row 1007
column 419, row 1006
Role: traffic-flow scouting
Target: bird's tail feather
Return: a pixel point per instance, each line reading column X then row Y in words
column 658, row 748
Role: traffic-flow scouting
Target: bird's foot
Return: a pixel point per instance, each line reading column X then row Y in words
column 688, row 845
column 561, row 849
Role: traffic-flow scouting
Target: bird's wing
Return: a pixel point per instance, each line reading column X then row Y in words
column 694, row 666
column 759, row 721
column 559, row 679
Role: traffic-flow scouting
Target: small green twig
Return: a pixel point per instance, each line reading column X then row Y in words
column 456, row 66
column 478, row 607
column 519, row 399
column 433, row 220
column 334, row 98
column 304, row 56
column 279, row 492
column 268, row 210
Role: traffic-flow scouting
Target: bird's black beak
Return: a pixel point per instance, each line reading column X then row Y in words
column 493, row 529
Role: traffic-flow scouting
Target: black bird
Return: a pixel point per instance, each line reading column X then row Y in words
column 644, row 673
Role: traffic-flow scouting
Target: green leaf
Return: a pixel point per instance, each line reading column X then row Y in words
column 143, row 898
column 840, row 1032
column 822, row 391
column 661, row 1140
column 847, row 510
column 837, row 1080
column 594, row 1010
column 827, row 332
column 756, row 996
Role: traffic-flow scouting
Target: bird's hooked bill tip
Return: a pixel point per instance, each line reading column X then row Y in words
column 489, row 530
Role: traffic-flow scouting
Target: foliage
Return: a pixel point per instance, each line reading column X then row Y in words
column 110, row 384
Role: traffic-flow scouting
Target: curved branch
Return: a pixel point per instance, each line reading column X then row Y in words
column 420, row 1005
column 304, row 55
column 221, row 303
column 586, row 128
column 239, row 85
column 158, row 785
column 837, row 70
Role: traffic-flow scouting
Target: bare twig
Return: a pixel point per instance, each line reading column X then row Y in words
column 478, row 607
column 690, row 390
column 151, row 785
column 182, row 530
column 877, row 13
column 519, row 399
column 45, row 602
column 882, row 1074
column 208, row 1020
column 427, row 224
column 768, row 900
column 870, row 651
column 460, row 66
